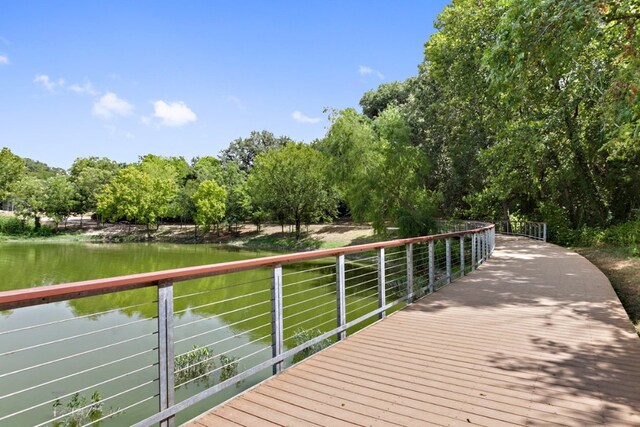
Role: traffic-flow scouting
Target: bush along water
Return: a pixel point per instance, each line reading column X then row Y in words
column 302, row 336
column 194, row 365
column 79, row 410
column 198, row 364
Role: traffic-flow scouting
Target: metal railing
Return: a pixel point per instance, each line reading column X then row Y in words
column 163, row 346
column 530, row 229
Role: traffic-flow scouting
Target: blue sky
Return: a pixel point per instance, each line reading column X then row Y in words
column 121, row 79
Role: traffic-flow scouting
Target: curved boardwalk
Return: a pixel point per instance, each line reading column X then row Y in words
column 535, row 337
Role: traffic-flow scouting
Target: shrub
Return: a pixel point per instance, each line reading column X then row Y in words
column 79, row 410
column 301, row 336
column 12, row 225
column 193, row 365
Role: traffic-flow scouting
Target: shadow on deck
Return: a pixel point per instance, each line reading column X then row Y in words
column 535, row 337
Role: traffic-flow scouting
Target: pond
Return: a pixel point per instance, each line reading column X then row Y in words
column 106, row 344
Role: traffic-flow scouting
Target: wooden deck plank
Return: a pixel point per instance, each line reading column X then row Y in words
column 536, row 336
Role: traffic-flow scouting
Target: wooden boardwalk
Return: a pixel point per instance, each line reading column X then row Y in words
column 535, row 337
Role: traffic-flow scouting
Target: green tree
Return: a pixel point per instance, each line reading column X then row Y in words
column 28, row 196
column 376, row 101
column 11, row 170
column 209, row 202
column 379, row 171
column 58, row 201
column 138, row 195
column 89, row 175
column 243, row 151
column 292, row 181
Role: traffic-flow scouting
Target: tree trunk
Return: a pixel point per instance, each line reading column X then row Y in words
column 297, row 229
column 80, row 220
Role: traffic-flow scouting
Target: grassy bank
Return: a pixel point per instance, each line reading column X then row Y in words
column 271, row 237
column 622, row 269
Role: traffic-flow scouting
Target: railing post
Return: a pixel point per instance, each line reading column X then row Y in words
column 487, row 252
column 165, row 348
column 544, row 232
column 432, row 273
column 341, row 296
column 409, row 249
column 277, row 330
column 382, row 283
column 473, row 251
column 462, row 256
column 447, row 242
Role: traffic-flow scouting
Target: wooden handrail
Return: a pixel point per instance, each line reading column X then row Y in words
column 52, row 293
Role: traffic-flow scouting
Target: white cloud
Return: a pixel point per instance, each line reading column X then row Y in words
column 237, row 102
column 364, row 71
column 109, row 105
column 47, row 83
column 172, row 114
column 85, row 89
column 301, row 118
column 4, row 59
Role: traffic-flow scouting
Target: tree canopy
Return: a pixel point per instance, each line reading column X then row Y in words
column 291, row 184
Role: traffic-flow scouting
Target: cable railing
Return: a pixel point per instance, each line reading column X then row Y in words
column 173, row 343
column 530, row 229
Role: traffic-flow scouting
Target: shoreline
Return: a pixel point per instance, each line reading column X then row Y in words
column 270, row 237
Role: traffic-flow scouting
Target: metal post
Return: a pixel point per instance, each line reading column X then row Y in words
column 486, row 245
column 166, row 358
column 544, row 232
column 447, row 242
column 341, row 296
column 462, row 256
column 432, row 273
column 409, row 249
column 277, row 334
column 473, row 251
column 382, row 283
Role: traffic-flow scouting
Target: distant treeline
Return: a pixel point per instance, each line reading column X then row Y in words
column 521, row 108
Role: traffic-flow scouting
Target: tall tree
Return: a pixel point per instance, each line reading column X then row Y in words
column 11, row 170
column 59, row 198
column 379, row 171
column 28, row 196
column 136, row 194
column 292, row 181
column 209, row 201
column 243, row 151
column 89, row 175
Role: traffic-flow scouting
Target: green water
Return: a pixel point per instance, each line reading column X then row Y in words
column 108, row 343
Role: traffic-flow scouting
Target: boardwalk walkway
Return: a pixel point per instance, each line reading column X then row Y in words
column 535, row 337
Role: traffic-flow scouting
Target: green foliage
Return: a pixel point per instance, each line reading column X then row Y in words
column 243, row 151
column 378, row 170
column 193, row 365
column 209, row 201
column 29, row 198
column 143, row 193
column 229, row 367
column 302, row 336
column 11, row 225
column 78, row 411
column 291, row 184
column 59, row 200
column 376, row 101
column 12, row 168
column 89, row 175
